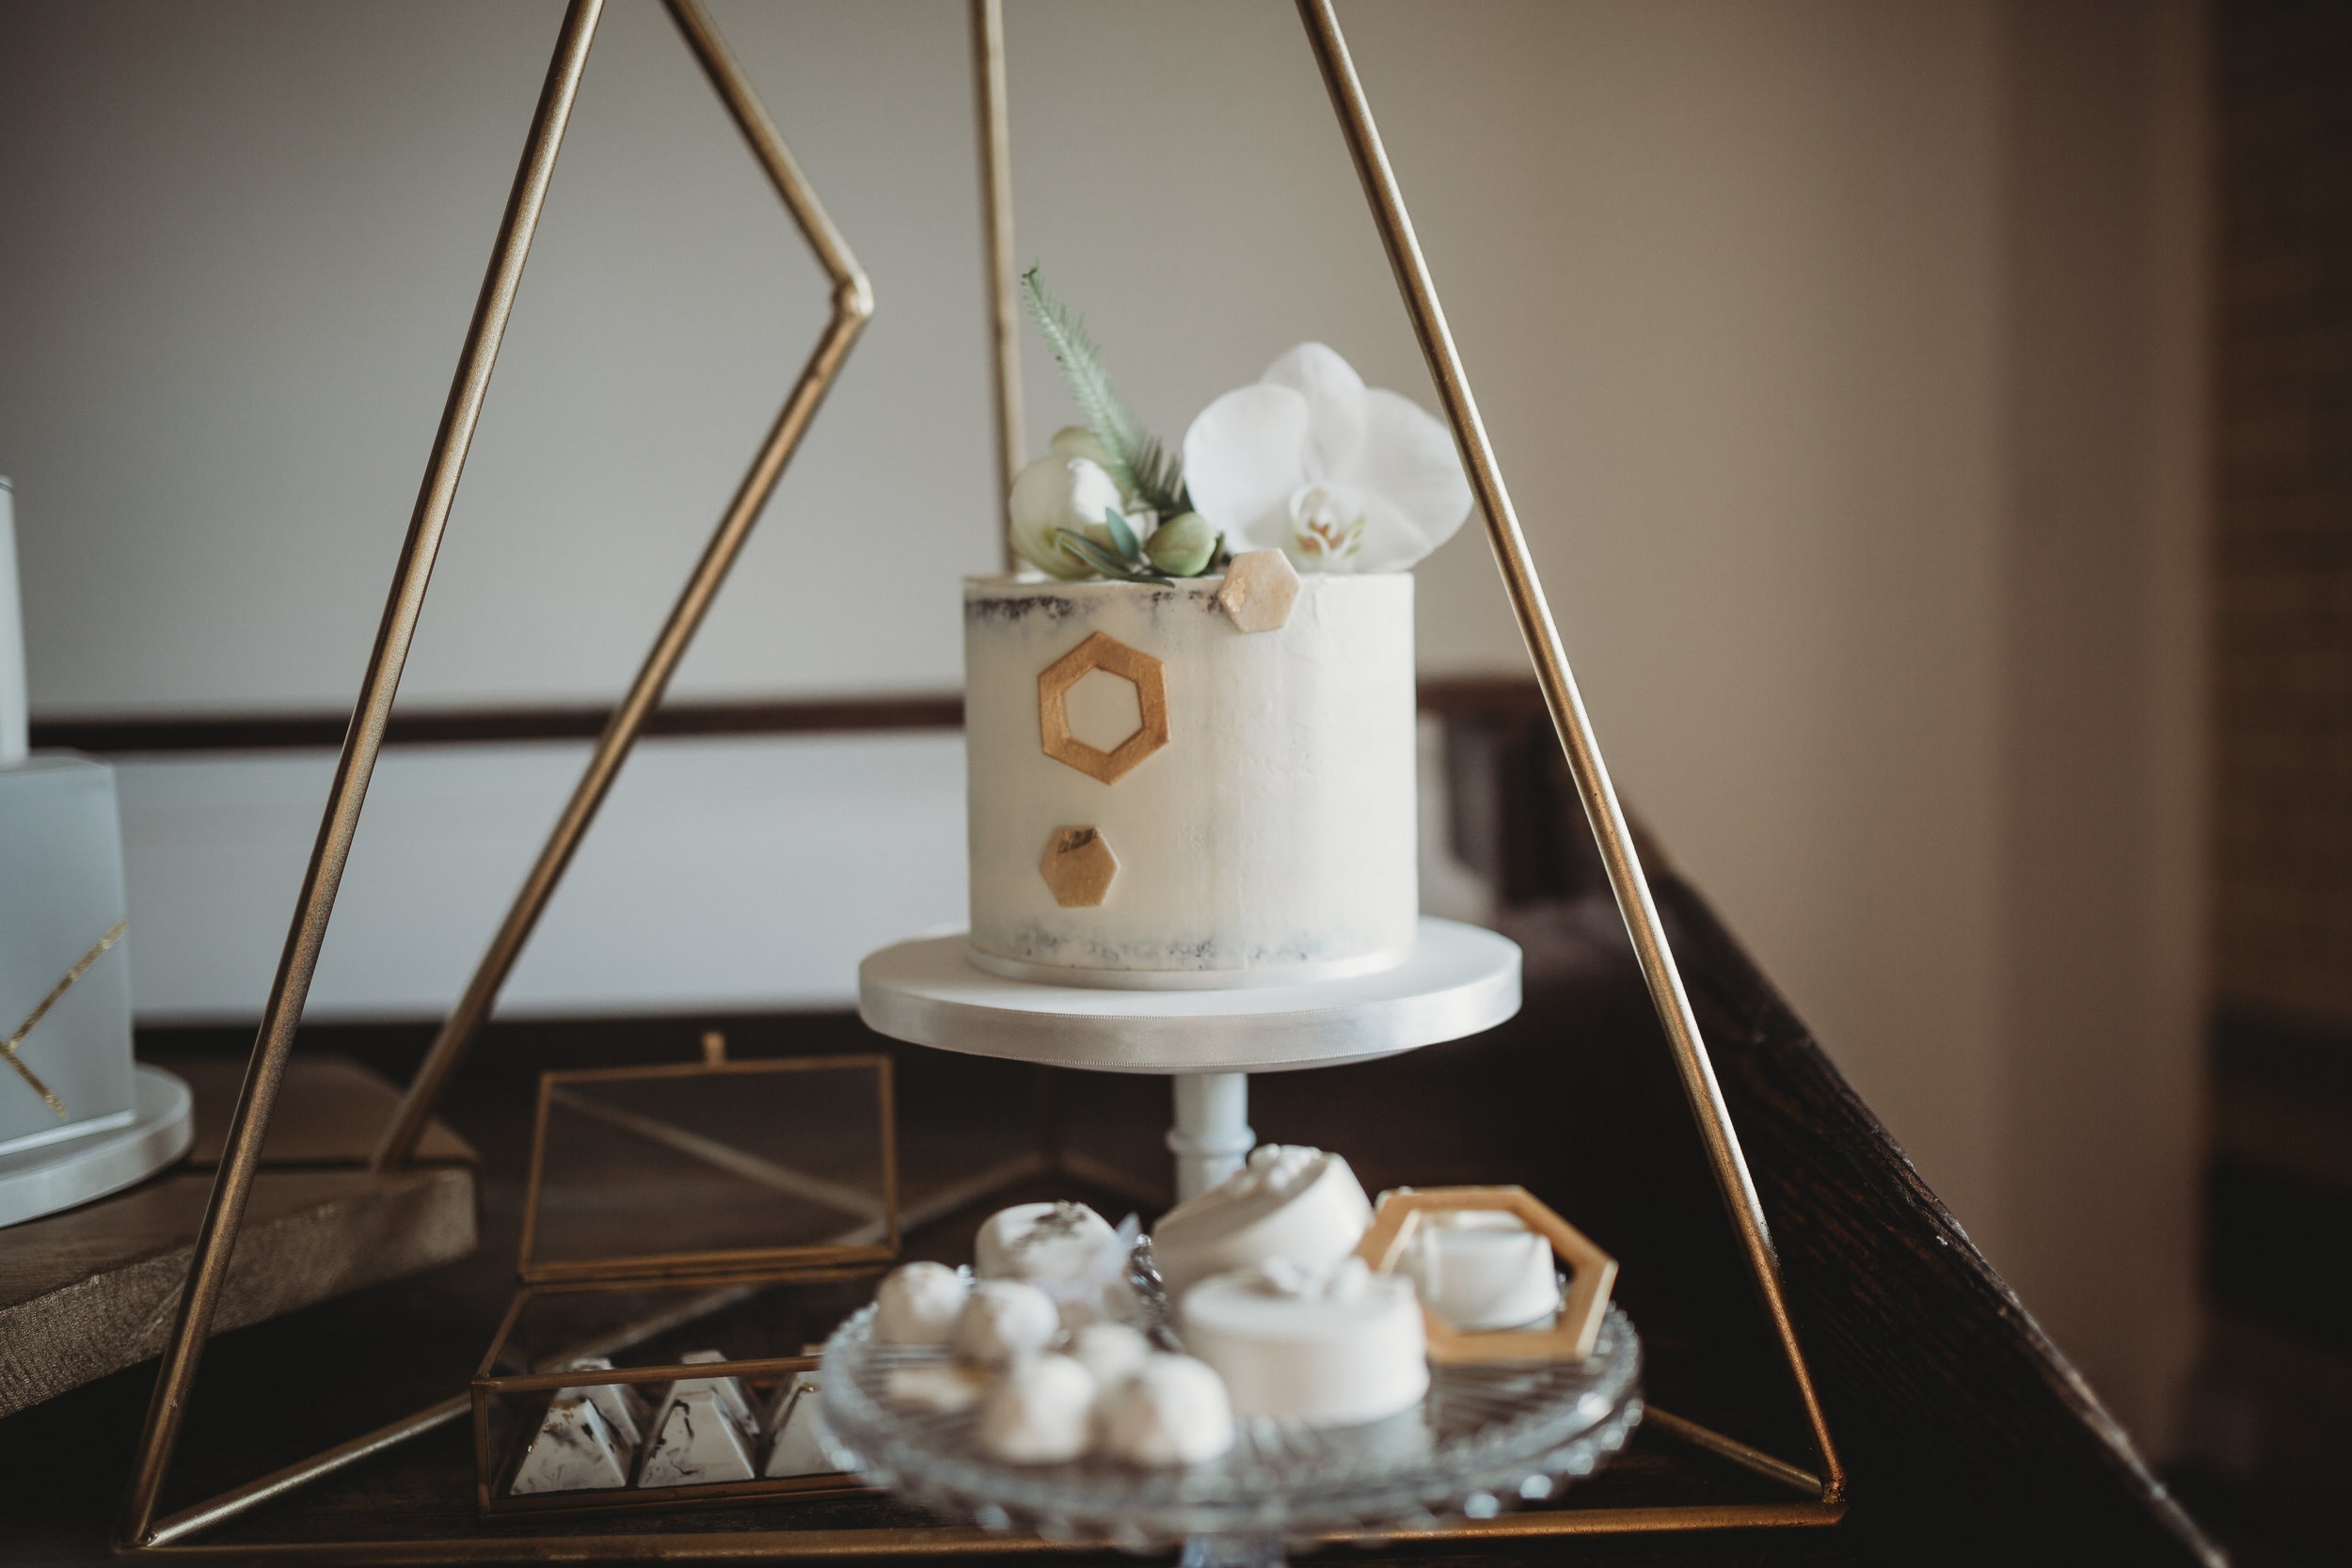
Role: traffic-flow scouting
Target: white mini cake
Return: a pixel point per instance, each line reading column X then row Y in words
column 1003, row 1320
column 918, row 1304
column 1112, row 1353
column 1481, row 1269
column 574, row 1449
column 797, row 1443
column 1285, row 1202
column 1065, row 1249
column 622, row 1406
column 732, row 1401
column 696, row 1440
column 1172, row 1410
column 1329, row 1347
column 1184, row 804
column 1041, row 1412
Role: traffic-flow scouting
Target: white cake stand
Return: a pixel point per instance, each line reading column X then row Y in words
column 41, row 1181
column 1460, row 980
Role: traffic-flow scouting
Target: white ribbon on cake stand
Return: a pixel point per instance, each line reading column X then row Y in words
column 1459, row 980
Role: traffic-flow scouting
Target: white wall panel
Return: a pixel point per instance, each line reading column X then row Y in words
column 723, row 874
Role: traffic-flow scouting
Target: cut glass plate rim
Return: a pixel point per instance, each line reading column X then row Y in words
column 1485, row 1437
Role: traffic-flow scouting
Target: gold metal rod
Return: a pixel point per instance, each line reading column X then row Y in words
column 853, row 297
column 726, row 1157
column 1686, row 1431
column 290, row 989
column 1600, row 796
column 243, row 1499
column 1668, row 1519
column 658, row 1371
column 1004, row 308
column 919, row 1543
column 853, row 305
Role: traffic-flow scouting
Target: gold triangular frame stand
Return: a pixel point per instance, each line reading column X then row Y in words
column 143, row 1533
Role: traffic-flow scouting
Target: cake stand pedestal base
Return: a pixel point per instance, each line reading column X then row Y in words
column 1460, row 980
column 1212, row 1135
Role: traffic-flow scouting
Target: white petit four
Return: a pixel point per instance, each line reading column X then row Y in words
column 942, row 1391
column 1041, row 1412
column 697, row 1442
column 1481, row 1269
column 799, row 1445
column 1172, row 1410
column 1326, row 1347
column 732, row 1401
column 1003, row 1319
column 1285, row 1202
column 622, row 1406
column 1065, row 1249
column 1111, row 1351
column 1041, row 1242
column 918, row 1304
column 572, row 1451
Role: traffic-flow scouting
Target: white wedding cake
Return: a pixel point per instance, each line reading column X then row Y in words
column 1189, row 743
column 1160, row 797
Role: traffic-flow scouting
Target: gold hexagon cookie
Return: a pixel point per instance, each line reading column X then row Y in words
column 1260, row 588
column 1574, row 1330
column 1079, row 866
column 1114, row 658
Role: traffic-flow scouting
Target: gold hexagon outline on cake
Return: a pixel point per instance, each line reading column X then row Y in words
column 1575, row 1328
column 1078, row 867
column 1113, row 657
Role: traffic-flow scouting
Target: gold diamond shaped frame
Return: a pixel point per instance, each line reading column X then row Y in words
column 1593, row 1273
column 1823, row 1493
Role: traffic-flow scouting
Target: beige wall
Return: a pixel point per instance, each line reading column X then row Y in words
column 1840, row 354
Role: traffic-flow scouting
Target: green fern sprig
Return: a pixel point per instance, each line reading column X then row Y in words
column 1138, row 461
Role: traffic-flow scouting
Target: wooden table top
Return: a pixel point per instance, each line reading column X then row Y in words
column 1965, row 1433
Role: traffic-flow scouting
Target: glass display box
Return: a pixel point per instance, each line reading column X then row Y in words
column 690, row 1230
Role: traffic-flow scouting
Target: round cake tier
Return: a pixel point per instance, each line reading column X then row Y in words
column 1460, row 980
column 1159, row 799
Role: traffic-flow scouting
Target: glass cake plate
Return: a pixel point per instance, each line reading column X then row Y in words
column 1484, row 1438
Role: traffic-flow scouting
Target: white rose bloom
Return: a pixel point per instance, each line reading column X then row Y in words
column 1062, row 492
column 1310, row 461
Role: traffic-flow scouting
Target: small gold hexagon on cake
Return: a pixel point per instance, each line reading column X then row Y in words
column 1574, row 1330
column 1079, row 866
column 1112, row 657
column 1260, row 588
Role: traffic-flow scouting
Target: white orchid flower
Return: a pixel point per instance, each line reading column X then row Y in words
column 1310, row 461
column 1057, row 492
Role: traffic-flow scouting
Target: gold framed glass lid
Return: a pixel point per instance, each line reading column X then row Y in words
column 711, row 1168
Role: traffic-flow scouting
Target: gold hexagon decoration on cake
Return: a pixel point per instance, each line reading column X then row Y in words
column 1079, row 866
column 1114, row 658
column 1260, row 588
column 1577, row 1326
